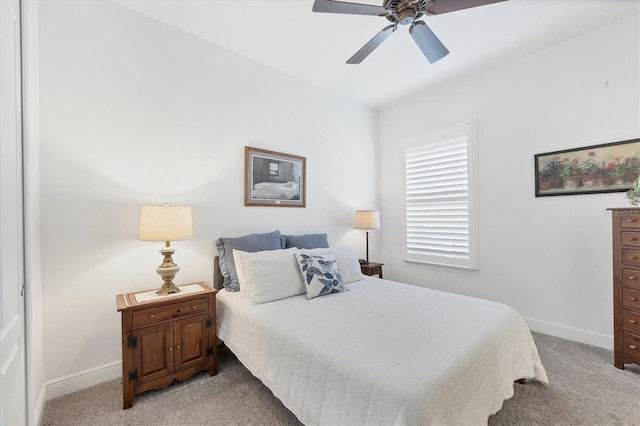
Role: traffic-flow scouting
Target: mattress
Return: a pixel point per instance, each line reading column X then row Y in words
column 382, row 353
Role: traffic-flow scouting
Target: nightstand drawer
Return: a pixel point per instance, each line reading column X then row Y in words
column 631, row 238
column 631, row 278
column 168, row 312
column 631, row 298
column 631, row 321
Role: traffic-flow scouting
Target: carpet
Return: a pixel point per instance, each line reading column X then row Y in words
column 585, row 389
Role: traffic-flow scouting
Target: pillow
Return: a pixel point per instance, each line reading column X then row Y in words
column 306, row 241
column 268, row 275
column 320, row 274
column 248, row 243
column 237, row 260
column 348, row 263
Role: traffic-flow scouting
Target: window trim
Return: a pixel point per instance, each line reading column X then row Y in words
column 469, row 130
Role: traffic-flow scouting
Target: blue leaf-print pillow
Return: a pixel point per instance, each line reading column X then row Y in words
column 320, row 274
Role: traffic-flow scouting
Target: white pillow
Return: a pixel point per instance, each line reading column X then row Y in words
column 268, row 275
column 320, row 274
column 347, row 262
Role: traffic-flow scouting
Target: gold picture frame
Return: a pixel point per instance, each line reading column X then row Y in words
column 274, row 179
column 609, row 167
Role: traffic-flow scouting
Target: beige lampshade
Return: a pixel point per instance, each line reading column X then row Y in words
column 165, row 223
column 367, row 219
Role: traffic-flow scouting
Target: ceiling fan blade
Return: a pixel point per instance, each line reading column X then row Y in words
column 428, row 42
column 331, row 6
column 438, row 7
column 372, row 44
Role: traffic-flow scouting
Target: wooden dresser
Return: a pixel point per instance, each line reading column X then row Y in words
column 626, row 285
column 166, row 338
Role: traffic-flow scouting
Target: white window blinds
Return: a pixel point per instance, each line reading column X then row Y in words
column 440, row 199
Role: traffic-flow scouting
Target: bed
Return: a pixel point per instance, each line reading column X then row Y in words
column 381, row 353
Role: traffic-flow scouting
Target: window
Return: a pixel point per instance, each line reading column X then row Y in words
column 440, row 197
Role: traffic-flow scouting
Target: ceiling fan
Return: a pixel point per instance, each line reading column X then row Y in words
column 404, row 12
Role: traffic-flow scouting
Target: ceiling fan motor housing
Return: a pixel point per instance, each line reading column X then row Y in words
column 405, row 12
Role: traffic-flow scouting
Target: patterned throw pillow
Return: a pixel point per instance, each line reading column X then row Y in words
column 320, row 274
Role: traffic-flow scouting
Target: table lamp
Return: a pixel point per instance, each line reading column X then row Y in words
column 166, row 223
column 367, row 220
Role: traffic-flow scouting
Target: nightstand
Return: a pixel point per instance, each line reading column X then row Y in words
column 372, row 268
column 166, row 338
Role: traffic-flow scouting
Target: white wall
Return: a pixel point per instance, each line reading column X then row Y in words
column 134, row 111
column 550, row 258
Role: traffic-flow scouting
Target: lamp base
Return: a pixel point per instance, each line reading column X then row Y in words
column 167, row 271
column 167, row 289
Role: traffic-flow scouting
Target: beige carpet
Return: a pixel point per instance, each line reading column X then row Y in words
column 585, row 389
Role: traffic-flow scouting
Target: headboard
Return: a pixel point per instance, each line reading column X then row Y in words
column 218, row 279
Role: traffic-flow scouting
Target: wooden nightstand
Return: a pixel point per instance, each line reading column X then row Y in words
column 166, row 338
column 372, row 268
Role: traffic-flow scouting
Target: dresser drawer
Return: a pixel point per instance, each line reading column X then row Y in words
column 631, row 220
column 168, row 312
column 631, row 278
column 631, row 346
column 631, row 257
column 631, row 238
column 631, row 321
column 630, row 298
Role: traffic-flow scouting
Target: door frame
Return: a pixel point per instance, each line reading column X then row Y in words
column 34, row 341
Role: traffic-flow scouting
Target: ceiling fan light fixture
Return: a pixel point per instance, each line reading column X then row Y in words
column 407, row 16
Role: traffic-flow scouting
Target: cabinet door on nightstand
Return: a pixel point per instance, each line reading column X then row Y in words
column 191, row 340
column 153, row 354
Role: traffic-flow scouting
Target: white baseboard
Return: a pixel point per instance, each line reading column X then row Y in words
column 82, row 380
column 570, row 333
column 36, row 415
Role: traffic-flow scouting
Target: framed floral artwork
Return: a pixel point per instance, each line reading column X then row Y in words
column 610, row 167
column 274, row 179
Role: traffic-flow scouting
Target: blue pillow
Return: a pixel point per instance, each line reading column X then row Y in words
column 249, row 243
column 320, row 274
column 306, row 241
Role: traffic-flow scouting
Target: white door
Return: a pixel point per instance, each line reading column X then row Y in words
column 12, row 337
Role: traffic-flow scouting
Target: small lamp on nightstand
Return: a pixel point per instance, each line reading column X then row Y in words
column 166, row 223
column 367, row 220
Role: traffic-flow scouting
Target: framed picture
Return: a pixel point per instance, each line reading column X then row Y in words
column 274, row 179
column 610, row 167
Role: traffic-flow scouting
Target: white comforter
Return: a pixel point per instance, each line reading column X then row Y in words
column 383, row 353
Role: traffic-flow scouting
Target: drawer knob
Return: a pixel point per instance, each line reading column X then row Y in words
column 633, row 321
column 631, row 238
column 152, row 316
column 633, row 299
column 194, row 307
column 178, row 347
column 170, row 349
column 631, row 258
column 634, row 347
column 633, row 277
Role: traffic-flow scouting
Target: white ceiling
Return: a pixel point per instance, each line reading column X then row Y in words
column 288, row 36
